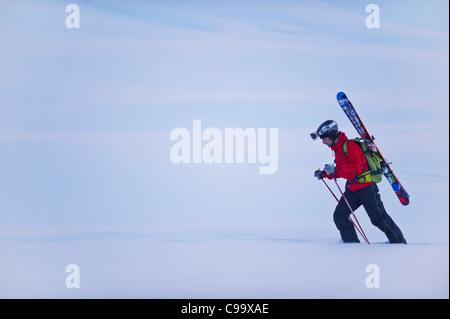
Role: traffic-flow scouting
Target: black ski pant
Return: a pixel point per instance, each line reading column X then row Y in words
column 369, row 198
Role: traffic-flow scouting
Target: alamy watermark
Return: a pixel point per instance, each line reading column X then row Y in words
column 232, row 145
column 373, row 19
column 73, row 19
column 73, row 279
column 373, row 279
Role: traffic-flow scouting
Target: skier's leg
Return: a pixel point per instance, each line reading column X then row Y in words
column 341, row 217
column 374, row 207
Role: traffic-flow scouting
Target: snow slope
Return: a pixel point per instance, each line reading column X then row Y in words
column 134, row 263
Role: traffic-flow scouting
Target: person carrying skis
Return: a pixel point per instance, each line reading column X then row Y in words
column 349, row 166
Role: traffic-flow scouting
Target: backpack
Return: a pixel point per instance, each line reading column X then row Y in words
column 374, row 174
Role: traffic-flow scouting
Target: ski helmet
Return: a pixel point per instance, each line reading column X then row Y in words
column 326, row 129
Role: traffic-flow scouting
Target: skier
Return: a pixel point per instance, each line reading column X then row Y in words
column 348, row 166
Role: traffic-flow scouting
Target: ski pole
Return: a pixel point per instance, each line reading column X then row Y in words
column 359, row 228
column 330, row 190
column 356, row 224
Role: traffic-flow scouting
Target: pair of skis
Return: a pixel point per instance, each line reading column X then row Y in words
column 350, row 111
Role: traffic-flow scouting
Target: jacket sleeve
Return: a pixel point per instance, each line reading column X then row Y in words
column 355, row 164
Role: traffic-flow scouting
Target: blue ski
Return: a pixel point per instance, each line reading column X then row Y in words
column 350, row 111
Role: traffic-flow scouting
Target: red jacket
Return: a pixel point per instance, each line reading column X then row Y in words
column 351, row 165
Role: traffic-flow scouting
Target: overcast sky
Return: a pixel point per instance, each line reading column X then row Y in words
column 86, row 114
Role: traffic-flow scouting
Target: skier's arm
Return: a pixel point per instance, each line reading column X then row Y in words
column 355, row 162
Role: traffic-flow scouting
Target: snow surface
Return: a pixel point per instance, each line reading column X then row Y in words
column 131, row 262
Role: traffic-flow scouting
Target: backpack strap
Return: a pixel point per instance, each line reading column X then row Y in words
column 345, row 147
column 356, row 140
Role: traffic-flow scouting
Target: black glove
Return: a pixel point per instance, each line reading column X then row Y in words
column 318, row 174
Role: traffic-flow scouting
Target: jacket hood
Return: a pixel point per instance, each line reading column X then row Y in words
column 341, row 139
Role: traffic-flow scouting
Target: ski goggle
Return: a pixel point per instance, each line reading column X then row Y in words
column 314, row 135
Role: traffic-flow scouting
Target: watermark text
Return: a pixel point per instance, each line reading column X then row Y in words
column 232, row 145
